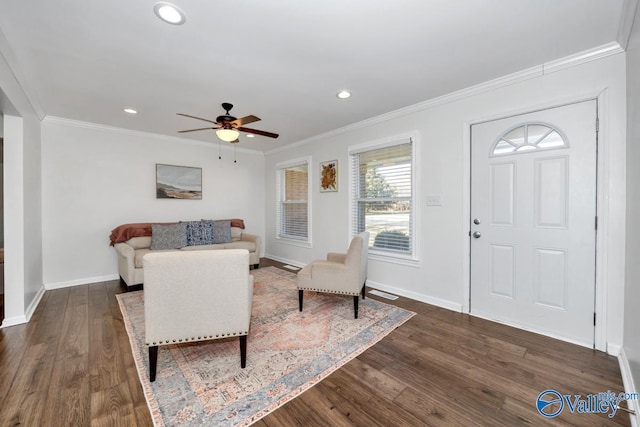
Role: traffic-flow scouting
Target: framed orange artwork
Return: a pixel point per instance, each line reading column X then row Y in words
column 329, row 176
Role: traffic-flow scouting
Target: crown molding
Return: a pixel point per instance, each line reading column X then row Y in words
column 627, row 18
column 140, row 134
column 510, row 79
column 583, row 57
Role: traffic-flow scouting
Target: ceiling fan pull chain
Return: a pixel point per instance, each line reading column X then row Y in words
column 234, row 154
column 219, row 150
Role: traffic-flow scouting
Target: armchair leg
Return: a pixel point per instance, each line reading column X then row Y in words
column 153, row 362
column 355, row 305
column 300, row 294
column 243, row 351
column 363, row 291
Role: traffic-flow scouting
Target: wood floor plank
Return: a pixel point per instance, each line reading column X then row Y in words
column 105, row 353
column 323, row 408
column 67, row 401
column 373, row 379
column 112, row 406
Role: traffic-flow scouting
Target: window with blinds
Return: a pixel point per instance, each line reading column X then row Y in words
column 382, row 197
column 293, row 197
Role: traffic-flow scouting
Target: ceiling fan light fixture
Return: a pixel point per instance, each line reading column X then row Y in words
column 228, row 134
column 343, row 94
column 169, row 13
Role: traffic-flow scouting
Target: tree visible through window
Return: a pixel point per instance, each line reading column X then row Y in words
column 382, row 197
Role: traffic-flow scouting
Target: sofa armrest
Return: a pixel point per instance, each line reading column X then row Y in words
column 254, row 238
column 126, row 266
column 125, row 251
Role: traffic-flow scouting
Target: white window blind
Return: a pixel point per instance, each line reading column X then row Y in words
column 293, row 197
column 382, row 197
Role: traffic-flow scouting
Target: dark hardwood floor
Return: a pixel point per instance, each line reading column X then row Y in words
column 71, row 365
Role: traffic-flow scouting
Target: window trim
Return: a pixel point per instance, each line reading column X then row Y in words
column 411, row 259
column 280, row 166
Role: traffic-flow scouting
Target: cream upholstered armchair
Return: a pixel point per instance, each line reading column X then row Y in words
column 340, row 274
column 196, row 296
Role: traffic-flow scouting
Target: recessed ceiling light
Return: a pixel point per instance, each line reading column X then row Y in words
column 250, row 135
column 130, row 111
column 343, row 94
column 169, row 13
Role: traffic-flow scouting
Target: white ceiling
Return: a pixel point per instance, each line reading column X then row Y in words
column 281, row 60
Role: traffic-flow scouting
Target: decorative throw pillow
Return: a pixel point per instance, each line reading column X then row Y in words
column 199, row 233
column 221, row 230
column 172, row 236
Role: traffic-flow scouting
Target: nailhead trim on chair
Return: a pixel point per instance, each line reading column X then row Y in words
column 332, row 292
column 180, row 340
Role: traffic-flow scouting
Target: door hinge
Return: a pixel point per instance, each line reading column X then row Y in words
column 594, row 319
column 597, row 124
column 596, row 222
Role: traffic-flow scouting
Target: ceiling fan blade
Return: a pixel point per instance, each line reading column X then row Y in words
column 244, row 120
column 258, row 132
column 198, row 118
column 193, row 130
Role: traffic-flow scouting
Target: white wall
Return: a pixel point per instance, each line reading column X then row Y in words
column 443, row 165
column 32, row 216
column 22, row 210
column 96, row 178
column 632, row 280
column 22, row 219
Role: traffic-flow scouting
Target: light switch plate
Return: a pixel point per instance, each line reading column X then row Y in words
column 434, row 200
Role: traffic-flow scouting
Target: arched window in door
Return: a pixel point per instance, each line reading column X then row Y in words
column 529, row 137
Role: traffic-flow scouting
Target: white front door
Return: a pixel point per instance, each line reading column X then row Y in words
column 533, row 221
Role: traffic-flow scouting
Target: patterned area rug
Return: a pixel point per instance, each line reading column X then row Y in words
column 287, row 353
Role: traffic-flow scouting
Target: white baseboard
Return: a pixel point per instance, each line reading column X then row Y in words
column 12, row 321
column 19, row 320
column 629, row 386
column 284, row 260
column 416, row 296
column 34, row 303
column 85, row 281
column 614, row 349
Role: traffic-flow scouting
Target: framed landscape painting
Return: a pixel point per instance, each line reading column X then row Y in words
column 178, row 182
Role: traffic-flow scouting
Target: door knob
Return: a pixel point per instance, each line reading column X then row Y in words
column 476, row 221
column 476, row 234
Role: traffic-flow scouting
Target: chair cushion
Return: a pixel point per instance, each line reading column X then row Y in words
column 250, row 246
column 143, row 242
column 202, row 247
column 140, row 253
